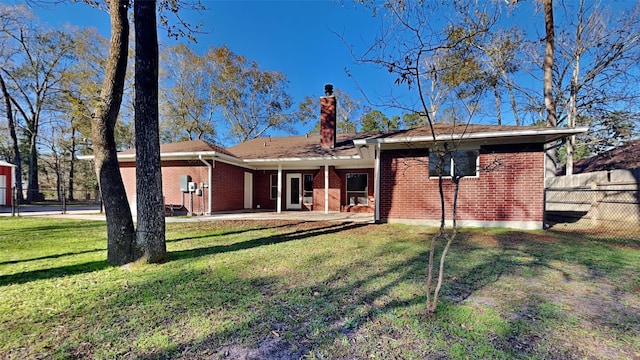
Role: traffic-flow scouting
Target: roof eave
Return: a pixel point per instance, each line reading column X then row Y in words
column 544, row 135
column 183, row 155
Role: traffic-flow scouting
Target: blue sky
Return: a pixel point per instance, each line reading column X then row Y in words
column 297, row 38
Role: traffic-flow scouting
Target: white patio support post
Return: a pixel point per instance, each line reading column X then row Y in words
column 377, row 182
column 279, row 201
column 209, row 179
column 326, row 188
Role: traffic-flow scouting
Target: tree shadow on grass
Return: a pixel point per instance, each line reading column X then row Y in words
column 236, row 231
column 44, row 274
column 323, row 229
column 52, row 256
column 75, row 269
column 54, row 227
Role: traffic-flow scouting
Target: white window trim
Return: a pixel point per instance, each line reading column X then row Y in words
column 303, row 190
column 271, row 185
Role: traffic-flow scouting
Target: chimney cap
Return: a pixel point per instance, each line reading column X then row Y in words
column 328, row 90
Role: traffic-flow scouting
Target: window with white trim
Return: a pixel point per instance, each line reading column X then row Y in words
column 307, row 190
column 357, row 189
column 274, row 186
column 464, row 163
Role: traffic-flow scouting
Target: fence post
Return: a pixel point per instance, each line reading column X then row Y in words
column 596, row 200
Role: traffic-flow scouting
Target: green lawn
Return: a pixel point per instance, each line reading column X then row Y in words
column 291, row 290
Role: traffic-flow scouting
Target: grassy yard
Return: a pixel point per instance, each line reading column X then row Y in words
column 291, row 290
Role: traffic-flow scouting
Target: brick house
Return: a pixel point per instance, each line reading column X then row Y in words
column 391, row 175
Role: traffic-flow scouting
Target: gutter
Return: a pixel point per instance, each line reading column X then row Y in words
column 470, row 136
column 209, row 187
column 177, row 155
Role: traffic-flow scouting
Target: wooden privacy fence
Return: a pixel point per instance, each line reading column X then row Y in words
column 604, row 199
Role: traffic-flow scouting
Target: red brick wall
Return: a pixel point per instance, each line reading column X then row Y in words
column 342, row 174
column 337, row 189
column 511, row 190
column 262, row 190
column 335, row 184
column 227, row 186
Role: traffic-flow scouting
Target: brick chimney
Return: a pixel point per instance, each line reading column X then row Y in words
column 328, row 118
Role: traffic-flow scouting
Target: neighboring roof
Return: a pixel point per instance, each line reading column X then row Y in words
column 623, row 157
column 4, row 163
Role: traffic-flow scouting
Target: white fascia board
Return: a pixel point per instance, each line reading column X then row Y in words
column 296, row 159
column 553, row 132
column 191, row 155
column 350, row 162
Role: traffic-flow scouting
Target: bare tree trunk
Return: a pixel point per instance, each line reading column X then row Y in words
column 120, row 229
column 549, row 100
column 150, row 203
column 496, row 96
column 17, row 160
column 573, row 91
column 33, row 187
column 512, row 98
column 72, row 161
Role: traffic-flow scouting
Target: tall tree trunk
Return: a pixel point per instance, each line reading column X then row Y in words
column 33, row 187
column 549, row 100
column 150, row 203
column 120, row 229
column 17, row 160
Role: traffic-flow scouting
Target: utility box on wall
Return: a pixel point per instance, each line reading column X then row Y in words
column 184, row 183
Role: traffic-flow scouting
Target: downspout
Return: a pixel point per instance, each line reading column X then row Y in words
column 377, row 182
column 326, row 188
column 279, row 199
column 210, row 186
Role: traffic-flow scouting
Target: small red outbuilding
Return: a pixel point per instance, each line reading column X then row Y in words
column 7, row 176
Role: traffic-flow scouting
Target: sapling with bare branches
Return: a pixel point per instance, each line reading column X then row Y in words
column 439, row 66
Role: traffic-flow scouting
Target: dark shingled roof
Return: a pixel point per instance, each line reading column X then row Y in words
column 186, row 146
column 623, row 157
column 309, row 146
column 296, row 147
column 449, row 129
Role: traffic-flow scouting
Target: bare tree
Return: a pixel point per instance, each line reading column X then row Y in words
column 429, row 61
column 188, row 105
column 255, row 100
column 33, row 71
column 598, row 56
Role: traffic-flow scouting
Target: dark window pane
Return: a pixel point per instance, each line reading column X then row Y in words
column 465, row 164
column 274, row 186
column 295, row 190
column 357, row 189
column 307, row 194
column 434, row 164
